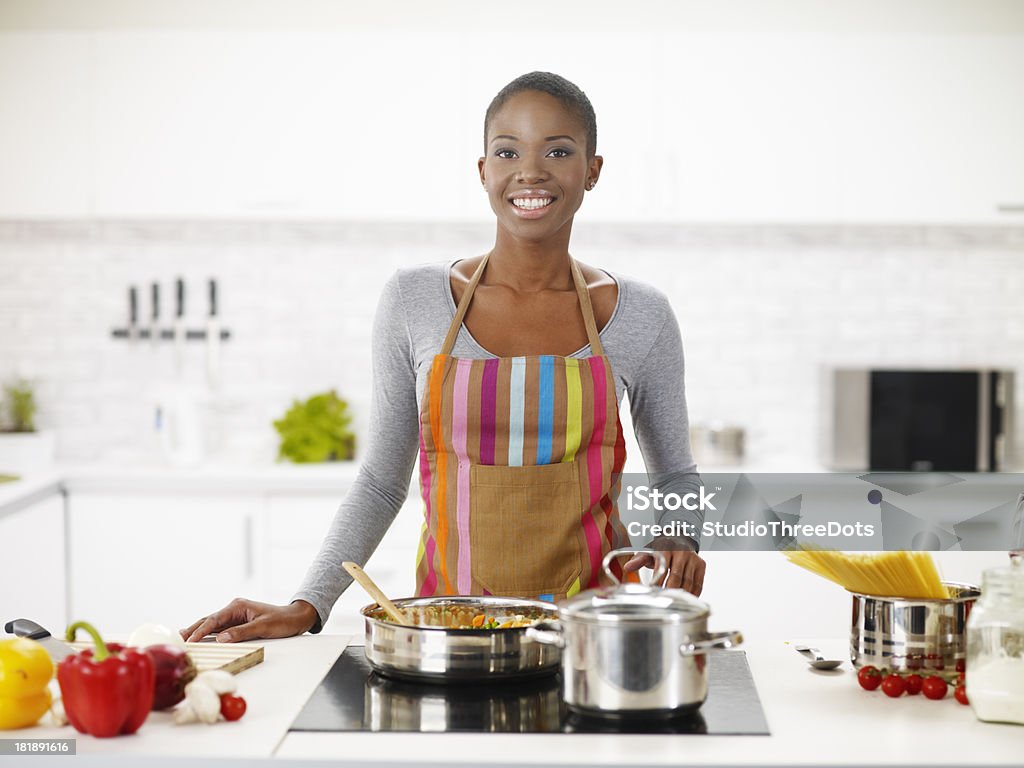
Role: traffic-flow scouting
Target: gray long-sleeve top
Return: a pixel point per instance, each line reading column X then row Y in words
column 641, row 339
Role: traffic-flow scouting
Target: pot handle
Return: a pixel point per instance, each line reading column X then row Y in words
column 660, row 569
column 547, row 633
column 713, row 641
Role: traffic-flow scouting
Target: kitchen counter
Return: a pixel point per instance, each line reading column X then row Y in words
column 18, row 494
column 815, row 718
column 216, row 478
column 275, row 691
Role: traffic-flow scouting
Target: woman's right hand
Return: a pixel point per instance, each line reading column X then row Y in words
column 243, row 619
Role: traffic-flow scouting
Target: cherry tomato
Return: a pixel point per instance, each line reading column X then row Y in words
column 894, row 686
column 961, row 665
column 960, row 692
column 914, row 683
column 934, row 687
column 934, row 661
column 869, row 678
column 232, row 707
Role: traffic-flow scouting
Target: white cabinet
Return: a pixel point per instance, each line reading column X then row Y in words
column 171, row 557
column 46, row 132
column 386, row 122
column 167, row 558
column 841, row 128
column 283, row 123
column 32, row 572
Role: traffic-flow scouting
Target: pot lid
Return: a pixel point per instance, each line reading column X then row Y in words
column 634, row 602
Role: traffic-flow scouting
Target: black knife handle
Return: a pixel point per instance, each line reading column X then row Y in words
column 213, row 297
column 25, row 628
column 156, row 301
column 180, row 291
column 133, row 306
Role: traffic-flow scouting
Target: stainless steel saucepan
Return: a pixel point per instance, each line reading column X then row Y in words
column 632, row 649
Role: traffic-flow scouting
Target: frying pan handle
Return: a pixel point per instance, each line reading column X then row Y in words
column 713, row 641
column 547, row 633
column 660, row 568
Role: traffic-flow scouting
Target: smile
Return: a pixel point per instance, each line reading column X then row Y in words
column 531, row 203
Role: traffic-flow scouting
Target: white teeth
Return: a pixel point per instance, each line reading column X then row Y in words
column 531, row 203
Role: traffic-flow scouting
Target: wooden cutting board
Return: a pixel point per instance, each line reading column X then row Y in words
column 231, row 657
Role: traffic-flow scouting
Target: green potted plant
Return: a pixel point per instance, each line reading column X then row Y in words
column 23, row 448
column 316, row 430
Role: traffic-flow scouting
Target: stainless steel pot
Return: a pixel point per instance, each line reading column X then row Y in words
column 441, row 654
column 632, row 649
column 912, row 635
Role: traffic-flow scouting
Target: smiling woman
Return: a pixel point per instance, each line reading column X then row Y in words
column 503, row 374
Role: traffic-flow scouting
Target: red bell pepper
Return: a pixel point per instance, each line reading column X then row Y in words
column 108, row 690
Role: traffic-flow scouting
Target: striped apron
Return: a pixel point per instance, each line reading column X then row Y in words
column 520, row 468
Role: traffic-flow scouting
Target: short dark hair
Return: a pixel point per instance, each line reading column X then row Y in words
column 566, row 92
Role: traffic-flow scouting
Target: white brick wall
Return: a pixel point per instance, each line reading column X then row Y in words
column 762, row 308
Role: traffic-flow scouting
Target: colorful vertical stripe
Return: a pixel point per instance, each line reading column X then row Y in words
column 460, row 427
column 574, row 408
column 488, row 403
column 516, row 411
column 545, row 409
column 437, row 446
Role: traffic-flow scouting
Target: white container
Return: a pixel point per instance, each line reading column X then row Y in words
column 995, row 647
column 24, row 452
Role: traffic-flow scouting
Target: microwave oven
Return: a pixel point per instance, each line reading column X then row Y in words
column 921, row 420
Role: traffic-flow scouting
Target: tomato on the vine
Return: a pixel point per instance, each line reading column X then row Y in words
column 869, row 678
column 893, row 686
column 934, row 687
column 232, row 707
column 914, row 683
column 960, row 692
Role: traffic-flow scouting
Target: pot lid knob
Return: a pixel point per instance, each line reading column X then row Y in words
column 660, row 568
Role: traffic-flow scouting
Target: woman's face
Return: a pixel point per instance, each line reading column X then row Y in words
column 535, row 169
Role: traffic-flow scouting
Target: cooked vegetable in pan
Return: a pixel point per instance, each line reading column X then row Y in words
column 462, row 616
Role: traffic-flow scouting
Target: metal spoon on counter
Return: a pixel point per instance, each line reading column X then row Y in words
column 816, row 659
column 392, row 610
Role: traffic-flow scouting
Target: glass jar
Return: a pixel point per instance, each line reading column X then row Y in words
column 995, row 647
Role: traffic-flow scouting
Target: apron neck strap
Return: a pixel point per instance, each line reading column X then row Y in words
column 581, row 292
column 585, row 307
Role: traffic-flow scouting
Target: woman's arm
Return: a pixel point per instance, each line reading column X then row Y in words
column 657, row 403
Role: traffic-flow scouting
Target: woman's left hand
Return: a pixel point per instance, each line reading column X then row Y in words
column 685, row 567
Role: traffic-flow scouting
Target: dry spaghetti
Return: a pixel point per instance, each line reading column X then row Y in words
column 884, row 574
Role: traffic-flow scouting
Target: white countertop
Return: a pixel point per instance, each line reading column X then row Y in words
column 334, row 477
column 815, row 718
column 275, row 692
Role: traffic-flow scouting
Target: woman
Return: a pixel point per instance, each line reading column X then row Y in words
column 518, row 437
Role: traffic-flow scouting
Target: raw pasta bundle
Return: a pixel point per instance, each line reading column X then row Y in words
column 884, row 574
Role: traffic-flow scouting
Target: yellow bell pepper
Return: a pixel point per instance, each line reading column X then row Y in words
column 25, row 672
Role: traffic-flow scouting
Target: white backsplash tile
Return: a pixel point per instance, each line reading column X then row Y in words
column 762, row 308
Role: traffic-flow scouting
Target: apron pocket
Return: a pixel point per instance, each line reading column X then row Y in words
column 524, row 525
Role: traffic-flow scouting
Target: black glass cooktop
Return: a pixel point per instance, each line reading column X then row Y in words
column 352, row 697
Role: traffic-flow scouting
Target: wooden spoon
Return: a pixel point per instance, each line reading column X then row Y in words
column 375, row 592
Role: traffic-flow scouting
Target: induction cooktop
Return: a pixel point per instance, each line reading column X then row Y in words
column 352, row 697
